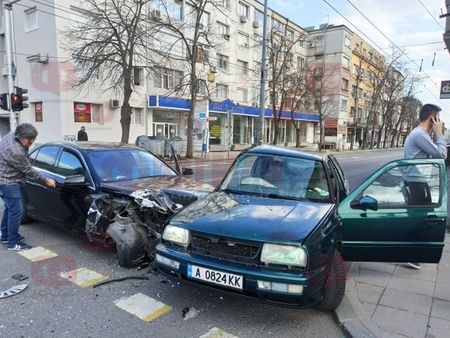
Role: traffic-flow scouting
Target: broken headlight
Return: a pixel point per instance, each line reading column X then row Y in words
column 176, row 235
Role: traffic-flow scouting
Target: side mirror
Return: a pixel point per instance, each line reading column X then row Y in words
column 364, row 203
column 188, row 171
column 75, row 180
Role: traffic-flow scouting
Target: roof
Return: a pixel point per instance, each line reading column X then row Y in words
column 274, row 150
column 95, row 145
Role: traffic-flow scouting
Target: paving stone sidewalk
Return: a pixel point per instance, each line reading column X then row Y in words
column 392, row 300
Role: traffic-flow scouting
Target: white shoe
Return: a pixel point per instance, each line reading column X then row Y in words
column 414, row 265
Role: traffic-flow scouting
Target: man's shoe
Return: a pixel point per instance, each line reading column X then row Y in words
column 414, row 265
column 4, row 241
column 19, row 247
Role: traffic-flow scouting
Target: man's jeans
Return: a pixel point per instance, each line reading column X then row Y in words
column 12, row 216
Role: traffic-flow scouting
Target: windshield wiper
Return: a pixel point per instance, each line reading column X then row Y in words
column 232, row 191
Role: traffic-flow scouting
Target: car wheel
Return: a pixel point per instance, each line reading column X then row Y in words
column 334, row 288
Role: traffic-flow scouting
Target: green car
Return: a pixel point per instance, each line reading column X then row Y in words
column 281, row 222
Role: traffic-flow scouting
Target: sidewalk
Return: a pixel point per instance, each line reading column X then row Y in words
column 392, row 300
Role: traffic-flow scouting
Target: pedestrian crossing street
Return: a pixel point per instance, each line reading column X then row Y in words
column 139, row 305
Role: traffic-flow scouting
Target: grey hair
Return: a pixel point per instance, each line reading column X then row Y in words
column 26, row 130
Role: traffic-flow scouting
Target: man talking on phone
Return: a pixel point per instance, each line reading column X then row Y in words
column 419, row 144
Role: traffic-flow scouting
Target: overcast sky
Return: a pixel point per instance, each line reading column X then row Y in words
column 412, row 25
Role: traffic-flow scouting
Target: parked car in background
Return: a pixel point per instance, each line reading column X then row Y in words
column 281, row 222
column 114, row 192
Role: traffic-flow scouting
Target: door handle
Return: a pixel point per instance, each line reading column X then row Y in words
column 433, row 219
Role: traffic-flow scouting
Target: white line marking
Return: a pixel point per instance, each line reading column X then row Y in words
column 143, row 307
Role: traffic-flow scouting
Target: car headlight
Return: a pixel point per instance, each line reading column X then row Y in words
column 176, row 235
column 284, row 255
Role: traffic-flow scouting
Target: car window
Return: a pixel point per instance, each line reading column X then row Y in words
column 69, row 164
column 46, row 158
column 406, row 186
column 127, row 164
column 33, row 156
column 278, row 176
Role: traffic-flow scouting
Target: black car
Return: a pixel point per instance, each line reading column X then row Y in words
column 115, row 192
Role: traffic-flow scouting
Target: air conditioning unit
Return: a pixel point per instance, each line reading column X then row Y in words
column 156, row 14
column 213, row 69
column 226, row 36
column 255, row 24
column 5, row 71
column 114, row 103
column 243, row 19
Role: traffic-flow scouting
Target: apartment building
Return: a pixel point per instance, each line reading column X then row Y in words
column 229, row 70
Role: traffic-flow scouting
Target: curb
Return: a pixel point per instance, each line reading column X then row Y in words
column 351, row 314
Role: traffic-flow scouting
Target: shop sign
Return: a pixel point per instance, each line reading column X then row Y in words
column 331, row 123
column 216, row 130
column 82, row 112
column 445, row 90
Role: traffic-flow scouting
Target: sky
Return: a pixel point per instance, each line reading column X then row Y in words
column 413, row 26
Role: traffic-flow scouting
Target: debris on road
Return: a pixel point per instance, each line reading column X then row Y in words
column 189, row 313
column 13, row 291
column 20, row 277
column 120, row 280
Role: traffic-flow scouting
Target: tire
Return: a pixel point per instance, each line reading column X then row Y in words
column 334, row 288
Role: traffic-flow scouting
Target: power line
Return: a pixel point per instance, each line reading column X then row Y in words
column 439, row 24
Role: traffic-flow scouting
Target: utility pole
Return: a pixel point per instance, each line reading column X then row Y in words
column 259, row 132
column 7, row 4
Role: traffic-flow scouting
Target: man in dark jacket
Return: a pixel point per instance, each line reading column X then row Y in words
column 15, row 166
column 82, row 135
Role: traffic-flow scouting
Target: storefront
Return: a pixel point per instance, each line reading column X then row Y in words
column 166, row 123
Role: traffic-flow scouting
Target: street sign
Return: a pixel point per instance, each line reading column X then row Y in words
column 445, row 90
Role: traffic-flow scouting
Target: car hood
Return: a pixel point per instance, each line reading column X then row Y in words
column 252, row 217
column 167, row 183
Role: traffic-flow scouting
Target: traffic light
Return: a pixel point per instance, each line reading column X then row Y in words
column 4, row 101
column 18, row 100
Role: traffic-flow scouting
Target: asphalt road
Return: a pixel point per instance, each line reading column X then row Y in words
column 54, row 307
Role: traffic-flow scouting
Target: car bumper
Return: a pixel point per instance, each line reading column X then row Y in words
column 311, row 281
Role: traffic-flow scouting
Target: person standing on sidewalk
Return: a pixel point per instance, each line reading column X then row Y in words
column 419, row 144
column 82, row 135
column 15, row 166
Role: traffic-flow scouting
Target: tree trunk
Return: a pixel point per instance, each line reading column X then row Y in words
column 297, row 137
column 125, row 113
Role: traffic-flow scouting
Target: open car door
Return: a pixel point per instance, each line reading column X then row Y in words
column 389, row 219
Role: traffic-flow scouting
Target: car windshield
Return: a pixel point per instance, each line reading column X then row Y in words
column 278, row 177
column 127, row 164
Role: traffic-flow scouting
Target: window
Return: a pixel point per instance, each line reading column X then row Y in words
column 344, row 84
column 277, row 26
column 31, row 19
column 259, row 17
column 69, row 165
column 241, row 94
column 38, row 117
column 401, row 187
column 243, row 39
column 300, row 62
column 345, row 62
column 201, row 89
column 347, row 41
column 167, row 78
column 343, row 104
column 242, row 67
column 224, row 3
column 289, row 35
column 205, row 20
column 222, row 29
column 97, row 113
column 302, row 43
column 171, row 8
column 138, row 76
column 318, row 57
column 137, row 116
column 223, row 61
column 221, row 91
column 46, row 158
column 243, row 9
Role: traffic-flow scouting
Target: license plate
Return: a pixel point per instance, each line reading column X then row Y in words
column 216, row 277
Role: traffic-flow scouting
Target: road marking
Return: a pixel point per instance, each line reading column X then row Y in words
column 83, row 277
column 217, row 333
column 38, row 254
column 143, row 307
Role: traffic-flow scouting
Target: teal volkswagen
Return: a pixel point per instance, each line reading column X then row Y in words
column 281, row 223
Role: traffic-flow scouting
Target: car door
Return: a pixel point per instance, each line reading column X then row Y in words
column 379, row 223
column 72, row 198
column 39, row 199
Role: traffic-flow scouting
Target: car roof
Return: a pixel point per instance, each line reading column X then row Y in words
column 281, row 151
column 94, row 145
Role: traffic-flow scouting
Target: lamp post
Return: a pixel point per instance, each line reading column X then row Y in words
column 262, row 89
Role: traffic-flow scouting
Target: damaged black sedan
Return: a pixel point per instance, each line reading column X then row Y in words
column 117, row 193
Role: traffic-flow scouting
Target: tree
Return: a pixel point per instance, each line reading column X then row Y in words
column 105, row 45
column 187, row 47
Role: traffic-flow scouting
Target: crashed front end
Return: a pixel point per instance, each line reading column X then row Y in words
column 134, row 223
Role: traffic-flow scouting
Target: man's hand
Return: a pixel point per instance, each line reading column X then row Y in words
column 437, row 125
column 50, row 183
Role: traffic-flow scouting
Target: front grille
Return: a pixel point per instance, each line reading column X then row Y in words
column 226, row 248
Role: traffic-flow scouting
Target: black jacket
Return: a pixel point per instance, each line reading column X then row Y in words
column 82, row 136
